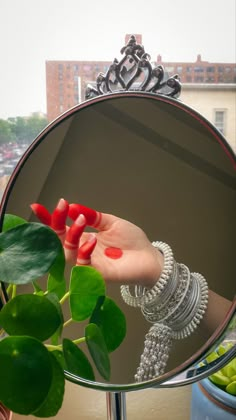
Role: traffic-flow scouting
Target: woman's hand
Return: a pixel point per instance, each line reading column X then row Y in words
column 121, row 250
column 77, row 247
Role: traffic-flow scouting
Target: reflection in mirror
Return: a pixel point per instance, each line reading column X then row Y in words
column 156, row 163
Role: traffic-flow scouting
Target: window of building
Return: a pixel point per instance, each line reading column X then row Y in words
column 220, row 119
column 188, row 69
column 210, row 69
column 169, row 69
column 199, row 79
column 198, row 69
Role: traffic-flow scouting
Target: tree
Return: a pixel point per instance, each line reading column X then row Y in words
column 6, row 134
column 21, row 129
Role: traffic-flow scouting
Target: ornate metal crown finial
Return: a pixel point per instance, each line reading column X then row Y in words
column 134, row 72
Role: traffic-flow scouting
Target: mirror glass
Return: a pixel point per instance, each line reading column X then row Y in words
column 155, row 162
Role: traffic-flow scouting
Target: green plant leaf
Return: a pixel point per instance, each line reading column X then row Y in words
column 37, row 289
column 219, row 379
column 86, row 285
column 58, row 354
column 26, row 373
column 111, row 320
column 55, row 286
column 31, row 315
column 53, row 402
column 27, row 252
column 76, row 361
column 55, row 301
column 212, row 356
column 231, row 388
column 98, row 350
column 58, row 267
column 10, row 221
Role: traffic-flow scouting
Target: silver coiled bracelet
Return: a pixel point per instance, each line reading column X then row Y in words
column 175, row 305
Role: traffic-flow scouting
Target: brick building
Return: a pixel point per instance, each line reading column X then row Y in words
column 66, row 81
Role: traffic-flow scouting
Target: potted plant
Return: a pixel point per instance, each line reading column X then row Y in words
column 34, row 347
column 215, row 397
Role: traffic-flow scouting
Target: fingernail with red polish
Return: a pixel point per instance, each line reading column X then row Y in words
column 85, row 251
column 42, row 213
column 59, row 216
column 91, row 215
column 74, row 233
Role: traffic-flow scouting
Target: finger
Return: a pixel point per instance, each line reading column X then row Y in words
column 42, row 213
column 58, row 218
column 92, row 216
column 85, row 251
column 74, row 233
column 100, row 221
column 72, row 238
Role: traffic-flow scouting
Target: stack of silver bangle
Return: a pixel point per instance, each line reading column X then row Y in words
column 176, row 304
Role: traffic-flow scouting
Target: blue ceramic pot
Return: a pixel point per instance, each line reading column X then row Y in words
column 211, row 403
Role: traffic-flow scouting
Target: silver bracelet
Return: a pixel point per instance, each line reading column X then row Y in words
column 146, row 296
column 175, row 305
column 157, row 347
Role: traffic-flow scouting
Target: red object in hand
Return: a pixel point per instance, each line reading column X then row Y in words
column 93, row 217
column 42, row 213
column 85, row 251
column 74, row 233
column 114, row 253
column 59, row 215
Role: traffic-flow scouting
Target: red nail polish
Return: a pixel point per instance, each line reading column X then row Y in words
column 92, row 216
column 59, row 216
column 86, row 250
column 42, row 213
column 74, row 233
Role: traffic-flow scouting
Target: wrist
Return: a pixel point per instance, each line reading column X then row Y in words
column 155, row 267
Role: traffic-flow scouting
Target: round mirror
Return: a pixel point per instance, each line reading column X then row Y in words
column 153, row 161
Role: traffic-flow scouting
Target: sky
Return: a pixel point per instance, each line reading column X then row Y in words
column 34, row 31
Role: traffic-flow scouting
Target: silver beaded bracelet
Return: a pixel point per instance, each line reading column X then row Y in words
column 175, row 305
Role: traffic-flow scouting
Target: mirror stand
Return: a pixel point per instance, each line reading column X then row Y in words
column 116, row 406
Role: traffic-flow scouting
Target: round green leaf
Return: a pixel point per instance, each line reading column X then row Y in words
column 53, row 402
column 76, row 361
column 98, row 350
column 31, row 315
column 58, row 354
column 55, row 286
column 219, row 379
column 10, row 221
column 27, row 252
column 26, row 373
column 231, row 388
column 86, row 285
column 112, row 322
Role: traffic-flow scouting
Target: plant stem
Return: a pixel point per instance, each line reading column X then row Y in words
column 63, row 299
column 9, row 289
column 67, row 322
column 51, row 347
column 13, row 291
column 79, row 340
